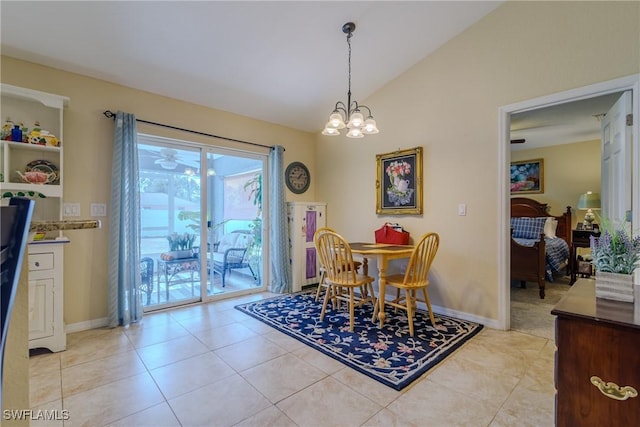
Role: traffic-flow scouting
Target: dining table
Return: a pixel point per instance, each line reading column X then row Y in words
column 382, row 253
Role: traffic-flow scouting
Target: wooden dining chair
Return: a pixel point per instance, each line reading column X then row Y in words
column 336, row 257
column 322, row 285
column 415, row 279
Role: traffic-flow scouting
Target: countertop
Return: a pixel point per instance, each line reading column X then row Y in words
column 580, row 301
column 79, row 224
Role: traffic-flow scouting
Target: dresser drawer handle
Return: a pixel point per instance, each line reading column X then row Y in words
column 37, row 264
column 613, row 390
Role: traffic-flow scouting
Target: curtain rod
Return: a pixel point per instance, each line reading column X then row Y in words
column 112, row 115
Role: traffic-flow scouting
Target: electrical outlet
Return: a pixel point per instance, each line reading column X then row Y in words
column 462, row 209
column 71, row 209
column 98, row 209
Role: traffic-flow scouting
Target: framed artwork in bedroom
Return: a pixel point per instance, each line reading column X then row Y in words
column 527, row 177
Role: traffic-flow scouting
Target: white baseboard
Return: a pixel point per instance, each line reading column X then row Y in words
column 489, row 323
column 86, row 325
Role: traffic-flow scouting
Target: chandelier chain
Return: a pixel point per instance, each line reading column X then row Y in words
column 349, row 43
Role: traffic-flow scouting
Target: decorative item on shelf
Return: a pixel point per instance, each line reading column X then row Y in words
column 37, row 177
column 16, row 133
column 5, row 134
column 350, row 112
column 589, row 201
column 42, row 137
column 615, row 255
column 44, row 166
column 30, row 194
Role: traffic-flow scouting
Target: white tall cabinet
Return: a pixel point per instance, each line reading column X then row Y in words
column 304, row 219
column 45, row 258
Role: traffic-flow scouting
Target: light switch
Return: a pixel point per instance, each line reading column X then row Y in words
column 71, row 209
column 462, row 209
column 98, row 209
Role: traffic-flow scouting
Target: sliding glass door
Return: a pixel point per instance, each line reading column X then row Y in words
column 201, row 213
column 235, row 222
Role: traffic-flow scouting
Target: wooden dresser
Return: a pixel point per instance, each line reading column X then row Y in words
column 598, row 347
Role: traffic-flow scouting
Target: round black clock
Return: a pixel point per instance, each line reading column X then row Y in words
column 297, row 177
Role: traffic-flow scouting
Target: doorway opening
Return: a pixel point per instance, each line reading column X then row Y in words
column 631, row 83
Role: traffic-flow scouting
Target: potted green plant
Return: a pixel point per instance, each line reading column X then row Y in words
column 615, row 255
column 180, row 246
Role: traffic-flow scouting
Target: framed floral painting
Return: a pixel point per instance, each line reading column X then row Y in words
column 527, row 177
column 399, row 182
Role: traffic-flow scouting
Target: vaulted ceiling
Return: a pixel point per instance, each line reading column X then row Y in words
column 283, row 62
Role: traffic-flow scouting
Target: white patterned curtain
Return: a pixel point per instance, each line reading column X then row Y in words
column 279, row 237
column 125, row 305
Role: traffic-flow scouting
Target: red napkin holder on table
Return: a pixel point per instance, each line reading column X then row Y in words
column 392, row 234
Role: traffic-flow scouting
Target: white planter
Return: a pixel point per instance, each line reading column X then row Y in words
column 614, row 286
column 185, row 253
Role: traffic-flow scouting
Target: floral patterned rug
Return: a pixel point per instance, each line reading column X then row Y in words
column 389, row 355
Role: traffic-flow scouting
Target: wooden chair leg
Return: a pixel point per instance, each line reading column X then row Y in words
column 321, row 284
column 409, row 295
column 327, row 295
column 426, row 300
column 351, row 308
column 374, row 302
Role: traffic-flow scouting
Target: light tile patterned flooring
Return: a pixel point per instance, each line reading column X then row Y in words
column 211, row 365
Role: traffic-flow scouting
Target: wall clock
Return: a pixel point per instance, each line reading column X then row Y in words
column 297, row 177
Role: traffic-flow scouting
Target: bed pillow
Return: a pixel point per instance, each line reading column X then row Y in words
column 528, row 228
column 550, row 226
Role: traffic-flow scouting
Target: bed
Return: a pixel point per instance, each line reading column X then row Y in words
column 536, row 256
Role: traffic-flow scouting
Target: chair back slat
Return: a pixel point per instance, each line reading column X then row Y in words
column 421, row 259
column 335, row 256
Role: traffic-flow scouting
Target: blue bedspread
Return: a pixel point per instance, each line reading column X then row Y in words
column 557, row 254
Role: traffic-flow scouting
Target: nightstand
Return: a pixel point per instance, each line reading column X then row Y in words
column 579, row 239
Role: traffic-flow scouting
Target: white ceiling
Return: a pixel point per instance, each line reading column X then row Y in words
column 283, row 62
column 560, row 124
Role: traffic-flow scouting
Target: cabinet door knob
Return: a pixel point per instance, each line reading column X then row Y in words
column 37, row 264
column 613, row 390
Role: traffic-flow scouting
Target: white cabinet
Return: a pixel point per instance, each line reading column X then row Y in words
column 45, row 258
column 46, row 322
column 304, row 219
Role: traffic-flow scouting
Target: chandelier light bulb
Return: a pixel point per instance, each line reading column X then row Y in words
column 330, row 131
column 335, row 121
column 370, row 126
column 356, row 120
column 355, row 133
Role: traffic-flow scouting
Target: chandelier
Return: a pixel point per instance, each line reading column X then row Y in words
column 350, row 112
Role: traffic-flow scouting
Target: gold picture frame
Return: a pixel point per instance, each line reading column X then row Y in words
column 527, row 177
column 399, row 182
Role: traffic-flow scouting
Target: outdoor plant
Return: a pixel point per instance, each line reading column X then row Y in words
column 615, row 251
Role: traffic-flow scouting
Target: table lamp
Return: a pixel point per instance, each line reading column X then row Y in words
column 589, row 201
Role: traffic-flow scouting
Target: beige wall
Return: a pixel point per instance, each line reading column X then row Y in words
column 88, row 142
column 569, row 171
column 448, row 103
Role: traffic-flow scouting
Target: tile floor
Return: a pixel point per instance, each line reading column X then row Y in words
column 211, row 365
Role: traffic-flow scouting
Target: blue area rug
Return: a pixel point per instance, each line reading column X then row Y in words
column 389, row 355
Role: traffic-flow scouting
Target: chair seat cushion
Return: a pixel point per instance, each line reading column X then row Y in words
column 228, row 241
